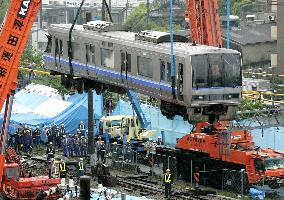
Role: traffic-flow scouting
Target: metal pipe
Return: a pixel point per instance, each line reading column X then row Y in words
column 90, row 122
column 228, row 23
column 10, row 99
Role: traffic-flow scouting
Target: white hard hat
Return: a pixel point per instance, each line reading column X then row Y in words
column 50, row 143
column 159, row 137
column 150, row 139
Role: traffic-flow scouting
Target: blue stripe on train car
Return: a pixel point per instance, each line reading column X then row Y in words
column 100, row 71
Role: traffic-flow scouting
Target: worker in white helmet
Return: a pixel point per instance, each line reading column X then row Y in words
column 50, row 151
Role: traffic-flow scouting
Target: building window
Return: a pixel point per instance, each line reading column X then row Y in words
column 110, row 44
column 107, row 58
column 144, row 67
column 163, row 70
column 125, row 61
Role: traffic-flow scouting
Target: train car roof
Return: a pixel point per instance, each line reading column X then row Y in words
column 127, row 39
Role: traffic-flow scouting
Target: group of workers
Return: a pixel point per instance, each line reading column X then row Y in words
column 59, row 168
column 26, row 138
column 74, row 145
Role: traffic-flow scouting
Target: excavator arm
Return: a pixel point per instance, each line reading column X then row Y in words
column 13, row 38
column 204, row 22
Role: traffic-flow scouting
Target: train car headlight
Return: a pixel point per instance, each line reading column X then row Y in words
column 200, row 97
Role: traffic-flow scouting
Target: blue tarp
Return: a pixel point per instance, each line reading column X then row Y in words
column 71, row 116
column 175, row 128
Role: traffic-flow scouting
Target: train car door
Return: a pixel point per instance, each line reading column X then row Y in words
column 180, row 81
column 125, row 67
column 165, row 79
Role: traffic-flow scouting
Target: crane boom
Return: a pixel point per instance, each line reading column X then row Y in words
column 204, row 22
column 13, row 38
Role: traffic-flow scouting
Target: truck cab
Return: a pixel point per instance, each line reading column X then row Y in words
column 118, row 125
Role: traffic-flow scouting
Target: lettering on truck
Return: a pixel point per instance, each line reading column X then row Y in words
column 24, row 9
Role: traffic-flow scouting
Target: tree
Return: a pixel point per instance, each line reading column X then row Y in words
column 137, row 21
column 3, row 9
column 236, row 6
column 31, row 56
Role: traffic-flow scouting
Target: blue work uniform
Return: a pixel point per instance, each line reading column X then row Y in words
column 65, row 146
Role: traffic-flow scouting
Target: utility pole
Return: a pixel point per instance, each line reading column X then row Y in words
column 40, row 15
column 90, row 122
column 148, row 14
column 126, row 9
column 109, row 5
column 103, row 11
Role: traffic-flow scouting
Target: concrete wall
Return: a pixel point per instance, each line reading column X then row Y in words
column 280, row 37
column 258, row 54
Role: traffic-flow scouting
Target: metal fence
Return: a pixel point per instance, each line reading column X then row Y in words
column 124, row 158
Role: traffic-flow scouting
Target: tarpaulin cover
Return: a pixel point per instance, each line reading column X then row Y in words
column 175, row 128
column 269, row 137
column 76, row 111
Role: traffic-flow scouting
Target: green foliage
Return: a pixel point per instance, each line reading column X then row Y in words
column 236, row 6
column 3, row 9
column 31, row 56
column 137, row 21
column 247, row 104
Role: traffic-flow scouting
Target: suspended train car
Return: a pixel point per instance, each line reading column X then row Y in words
column 207, row 81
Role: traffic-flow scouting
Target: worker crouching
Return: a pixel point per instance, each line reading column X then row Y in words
column 167, row 182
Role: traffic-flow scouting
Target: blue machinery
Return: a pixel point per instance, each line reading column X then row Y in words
column 138, row 110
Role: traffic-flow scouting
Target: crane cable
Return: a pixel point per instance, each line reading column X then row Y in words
column 70, row 50
column 172, row 58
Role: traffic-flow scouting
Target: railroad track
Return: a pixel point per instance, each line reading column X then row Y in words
column 132, row 183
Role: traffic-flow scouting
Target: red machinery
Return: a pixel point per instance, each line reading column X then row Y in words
column 204, row 22
column 13, row 38
column 16, row 186
column 215, row 145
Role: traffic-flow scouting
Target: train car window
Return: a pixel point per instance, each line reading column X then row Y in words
column 93, row 55
column 56, row 46
column 87, row 53
column 200, row 68
column 163, row 70
column 169, row 72
column 49, row 44
column 107, row 58
column 259, row 164
column 76, row 51
column 216, row 71
column 145, row 67
column 126, row 61
column 180, row 81
column 232, row 68
column 61, row 47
